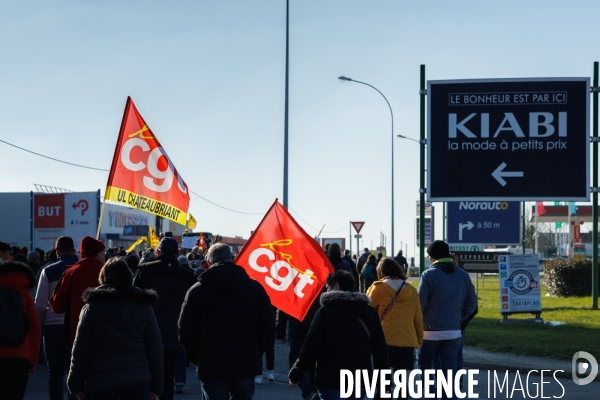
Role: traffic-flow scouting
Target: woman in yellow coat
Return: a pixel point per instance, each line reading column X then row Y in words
column 402, row 323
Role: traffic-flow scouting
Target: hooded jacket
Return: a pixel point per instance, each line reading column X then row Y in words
column 337, row 340
column 18, row 276
column 171, row 281
column 118, row 343
column 226, row 323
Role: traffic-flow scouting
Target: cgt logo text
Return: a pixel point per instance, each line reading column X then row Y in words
column 280, row 274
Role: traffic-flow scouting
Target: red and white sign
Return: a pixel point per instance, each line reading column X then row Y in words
column 577, row 234
column 287, row 262
column 357, row 225
column 63, row 214
column 49, row 210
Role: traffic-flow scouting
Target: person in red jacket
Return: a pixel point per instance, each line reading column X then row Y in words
column 76, row 279
column 17, row 363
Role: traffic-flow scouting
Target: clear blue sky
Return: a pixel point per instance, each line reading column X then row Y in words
column 208, row 78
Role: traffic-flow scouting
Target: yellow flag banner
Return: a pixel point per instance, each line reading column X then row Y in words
column 192, row 222
column 147, row 204
column 153, row 238
column 137, row 242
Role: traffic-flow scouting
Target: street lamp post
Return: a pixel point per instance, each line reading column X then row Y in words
column 423, row 143
column 346, row 79
column 285, row 128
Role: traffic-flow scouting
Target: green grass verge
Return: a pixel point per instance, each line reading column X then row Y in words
column 581, row 332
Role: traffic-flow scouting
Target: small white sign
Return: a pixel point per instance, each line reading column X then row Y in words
column 189, row 242
column 519, row 283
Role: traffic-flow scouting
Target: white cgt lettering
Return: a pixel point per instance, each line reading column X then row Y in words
column 153, row 159
column 284, row 281
column 277, row 280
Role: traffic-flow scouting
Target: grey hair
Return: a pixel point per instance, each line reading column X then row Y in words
column 219, row 252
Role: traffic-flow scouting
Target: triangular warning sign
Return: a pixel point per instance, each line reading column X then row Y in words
column 357, row 225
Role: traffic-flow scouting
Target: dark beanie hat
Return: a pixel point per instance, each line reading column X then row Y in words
column 90, row 246
column 438, row 249
column 168, row 245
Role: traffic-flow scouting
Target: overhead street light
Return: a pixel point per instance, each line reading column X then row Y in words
column 346, row 79
column 406, row 137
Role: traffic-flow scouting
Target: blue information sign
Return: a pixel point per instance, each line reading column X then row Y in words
column 484, row 222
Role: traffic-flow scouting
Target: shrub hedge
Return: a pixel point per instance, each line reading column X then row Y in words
column 568, row 278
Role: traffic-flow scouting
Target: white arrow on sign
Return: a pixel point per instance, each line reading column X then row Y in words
column 499, row 174
column 469, row 225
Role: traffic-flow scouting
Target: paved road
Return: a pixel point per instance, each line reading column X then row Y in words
column 37, row 387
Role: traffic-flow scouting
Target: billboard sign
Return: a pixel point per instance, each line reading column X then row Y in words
column 64, row 214
column 484, row 222
column 519, row 284
column 502, row 139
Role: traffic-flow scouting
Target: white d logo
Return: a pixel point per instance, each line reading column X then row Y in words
column 582, row 367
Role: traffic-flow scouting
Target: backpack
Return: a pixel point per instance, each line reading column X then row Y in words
column 14, row 324
column 370, row 272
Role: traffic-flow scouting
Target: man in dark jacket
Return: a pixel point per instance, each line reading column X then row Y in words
column 344, row 334
column 171, row 281
column 362, row 260
column 226, row 323
column 401, row 260
column 347, row 257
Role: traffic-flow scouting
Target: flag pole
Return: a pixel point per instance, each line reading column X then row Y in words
column 100, row 221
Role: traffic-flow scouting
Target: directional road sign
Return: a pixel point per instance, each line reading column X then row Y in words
column 509, row 139
column 484, row 222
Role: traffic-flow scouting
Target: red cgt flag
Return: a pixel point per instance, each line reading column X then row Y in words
column 142, row 176
column 289, row 264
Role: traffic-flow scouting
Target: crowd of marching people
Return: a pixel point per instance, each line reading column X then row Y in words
column 119, row 325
